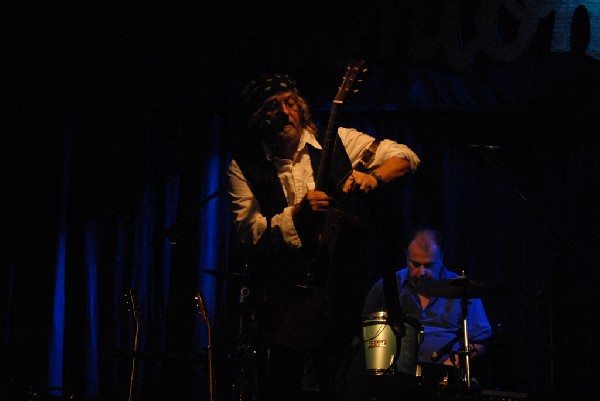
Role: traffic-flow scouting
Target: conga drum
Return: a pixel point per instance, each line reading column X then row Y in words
column 384, row 353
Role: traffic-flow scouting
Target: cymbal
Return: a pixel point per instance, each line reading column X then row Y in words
column 457, row 288
column 228, row 275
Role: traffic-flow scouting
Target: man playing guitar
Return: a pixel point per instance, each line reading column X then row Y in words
column 292, row 196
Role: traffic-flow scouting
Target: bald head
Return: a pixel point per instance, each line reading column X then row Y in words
column 427, row 241
column 424, row 256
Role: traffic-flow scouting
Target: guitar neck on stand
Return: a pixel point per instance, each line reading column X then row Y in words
column 131, row 300
column 204, row 314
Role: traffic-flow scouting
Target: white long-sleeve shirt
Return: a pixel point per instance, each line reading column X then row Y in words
column 296, row 177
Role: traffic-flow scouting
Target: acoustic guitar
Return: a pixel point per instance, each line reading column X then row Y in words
column 318, row 270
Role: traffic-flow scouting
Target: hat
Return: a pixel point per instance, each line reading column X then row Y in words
column 260, row 89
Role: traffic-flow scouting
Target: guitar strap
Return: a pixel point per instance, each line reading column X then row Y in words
column 366, row 157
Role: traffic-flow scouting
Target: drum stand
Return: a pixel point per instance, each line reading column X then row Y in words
column 463, row 289
column 245, row 385
column 465, row 350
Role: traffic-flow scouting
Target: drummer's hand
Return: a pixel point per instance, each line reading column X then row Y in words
column 476, row 350
column 451, row 361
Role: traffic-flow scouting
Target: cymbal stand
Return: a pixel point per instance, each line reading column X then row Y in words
column 464, row 353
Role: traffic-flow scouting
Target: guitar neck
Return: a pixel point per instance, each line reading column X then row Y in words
column 328, row 147
column 133, row 373
column 329, row 141
column 132, row 300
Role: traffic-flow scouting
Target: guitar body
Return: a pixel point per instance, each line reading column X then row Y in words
column 339, row 229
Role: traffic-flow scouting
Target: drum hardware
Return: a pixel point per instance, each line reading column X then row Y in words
column 464, row 289
column 458, row 288
column 244, row 355
column 464, row 354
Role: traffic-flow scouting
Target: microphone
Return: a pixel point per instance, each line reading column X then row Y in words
column 278, row 121
column 271, row 126
column 266, row 131
column 446, row 349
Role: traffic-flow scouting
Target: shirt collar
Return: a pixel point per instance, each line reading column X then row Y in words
column 306, row 138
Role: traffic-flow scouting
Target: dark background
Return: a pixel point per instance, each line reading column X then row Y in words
column 117, row 120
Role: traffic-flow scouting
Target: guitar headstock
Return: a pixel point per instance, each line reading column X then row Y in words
column 353, row 71
column 132, row 304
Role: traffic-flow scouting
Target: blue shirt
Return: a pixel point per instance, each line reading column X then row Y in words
column 441, row 318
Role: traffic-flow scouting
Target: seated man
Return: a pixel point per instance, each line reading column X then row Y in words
column 441, row 317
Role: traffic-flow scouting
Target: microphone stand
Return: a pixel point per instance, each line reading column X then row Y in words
column 264, row 346
column 173, row 232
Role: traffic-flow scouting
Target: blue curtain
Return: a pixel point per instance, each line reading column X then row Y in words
column 94, row 204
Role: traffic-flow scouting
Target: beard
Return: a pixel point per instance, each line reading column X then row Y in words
column 280, row 130
column 285, row 142
column 289, row 133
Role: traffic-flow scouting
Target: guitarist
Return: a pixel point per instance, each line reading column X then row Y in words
column 310, row 274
